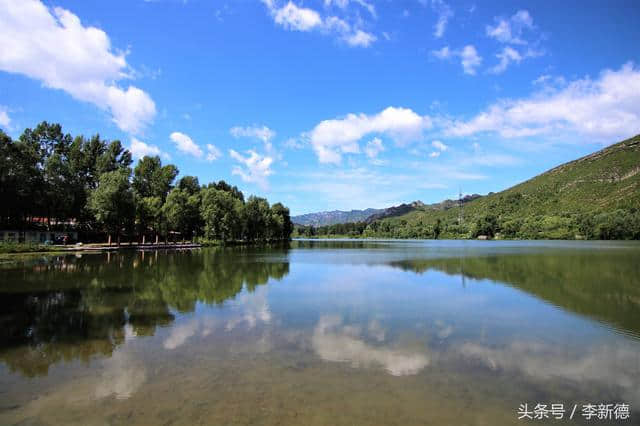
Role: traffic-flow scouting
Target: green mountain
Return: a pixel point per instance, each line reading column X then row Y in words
column 593, row 197
column 597, row 196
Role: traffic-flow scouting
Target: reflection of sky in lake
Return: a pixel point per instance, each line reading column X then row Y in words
column 378, row 311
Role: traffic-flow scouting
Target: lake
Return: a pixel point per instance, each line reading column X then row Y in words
column 324, row 332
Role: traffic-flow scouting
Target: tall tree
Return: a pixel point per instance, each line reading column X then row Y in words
column 151, row 183
column 256, row 218
column 182, row 210
column 112, row 201
column 222, row 215
column 281, row 226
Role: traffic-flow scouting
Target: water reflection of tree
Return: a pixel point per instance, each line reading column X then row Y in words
column 69, row 308
column 604, row 286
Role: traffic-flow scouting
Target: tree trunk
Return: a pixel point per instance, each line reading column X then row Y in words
column 109, row 241
column 143, row 239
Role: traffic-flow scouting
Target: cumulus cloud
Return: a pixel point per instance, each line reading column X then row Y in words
column 374, row 147
column 510, row 30
column 360, row 38
column 254, row 168
column 53, row 47
column 468, row 55
column 439, row 145
column 140, row 149
column 263, row 133
column 445, row 13
column 470, row 59
column 603, row 109
column 186, row 145
column 440, row 148
column 331, row 138
column 296, row 18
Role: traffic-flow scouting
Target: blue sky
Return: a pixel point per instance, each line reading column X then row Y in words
column 331, row 104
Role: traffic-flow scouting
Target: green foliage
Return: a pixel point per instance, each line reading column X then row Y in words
column 595, row 197
column 486, row 225
column 14, row 247
column 222, row 215
column 48, row 174
column 112, row 201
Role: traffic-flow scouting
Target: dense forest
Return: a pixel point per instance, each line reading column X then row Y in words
column 51, row 180
column 594, row 197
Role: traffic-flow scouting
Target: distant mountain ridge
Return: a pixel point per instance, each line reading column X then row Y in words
column 371, row 215
column 333, row 217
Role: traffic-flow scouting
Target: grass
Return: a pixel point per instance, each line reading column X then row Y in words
column 7, row 247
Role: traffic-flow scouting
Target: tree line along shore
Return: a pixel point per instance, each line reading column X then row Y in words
column 50, row 180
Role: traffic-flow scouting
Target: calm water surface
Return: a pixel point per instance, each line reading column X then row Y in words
column 321, row 332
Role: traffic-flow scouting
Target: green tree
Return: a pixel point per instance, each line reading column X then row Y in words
column 256, row 218
column 221, row 213
column 486, row 225
column 112, row 201
column 151, row 184
column 281, row 226
column 182, row 211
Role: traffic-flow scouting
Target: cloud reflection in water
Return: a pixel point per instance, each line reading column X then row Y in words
column 335, row 342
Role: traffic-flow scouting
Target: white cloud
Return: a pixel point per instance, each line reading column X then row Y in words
column 439, row 145
column 510, row 55
column 331, row 138
column 213, row 153
column 141, row 149
column 434, row 154
column 445, row 13
column 263, row 133
column 506, row 56
column 360, row 38
column 185, row 144
column 296, row 18
column 604, row 109
column 257, row 168
column 53, row 47
column 5, row 120
column 469, row 57
column 444, row 53
column 374, row 147
column 510, row 30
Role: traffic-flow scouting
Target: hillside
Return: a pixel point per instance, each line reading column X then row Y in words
column 333, row 217
column 596, row 196
column 593, row 197
column 371, row 215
